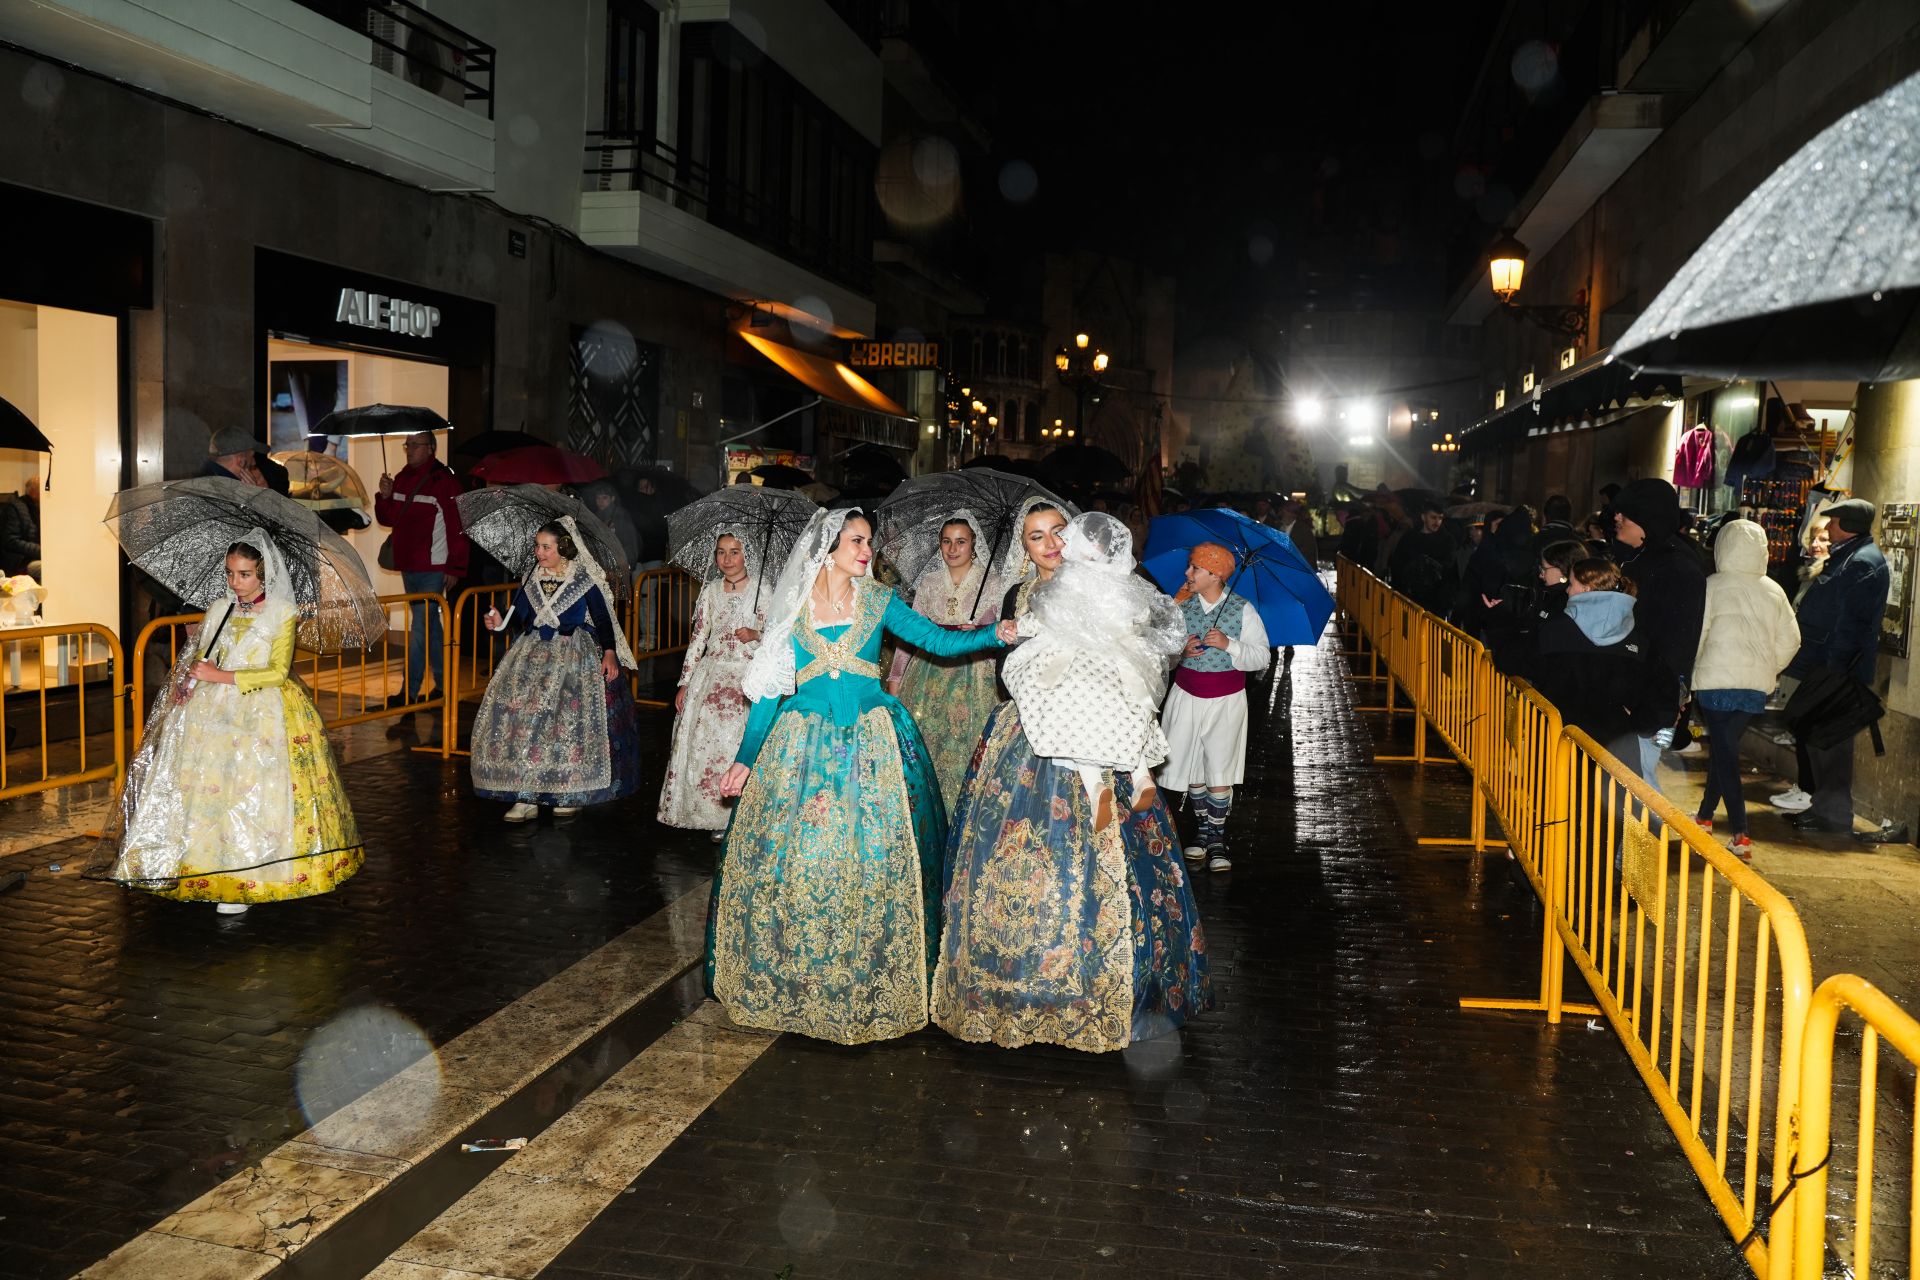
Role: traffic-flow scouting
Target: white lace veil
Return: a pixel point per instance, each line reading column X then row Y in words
column 273, row 580
column 1016, row 565
column 1097, row 602
column 770, row 673
column 981, row 583
column 547, row 609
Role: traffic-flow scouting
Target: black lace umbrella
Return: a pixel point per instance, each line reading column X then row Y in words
column 504, row 519
column 178, row 533
column 768, row 522
column 911, row 519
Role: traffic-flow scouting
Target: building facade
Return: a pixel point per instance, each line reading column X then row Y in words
column 248, row 212
column 1667, row 118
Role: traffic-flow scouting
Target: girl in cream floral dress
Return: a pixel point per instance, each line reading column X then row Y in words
column 234, row 798
column 711, row 711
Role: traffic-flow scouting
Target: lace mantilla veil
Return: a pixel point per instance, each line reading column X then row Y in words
column 771, row 672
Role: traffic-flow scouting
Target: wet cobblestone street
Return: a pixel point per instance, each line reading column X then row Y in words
column 1337, row 1115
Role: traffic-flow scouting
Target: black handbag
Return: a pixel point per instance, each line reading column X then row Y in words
column 1830, row 707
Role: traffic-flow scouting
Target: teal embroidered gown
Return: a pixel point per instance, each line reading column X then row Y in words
column 826, row 908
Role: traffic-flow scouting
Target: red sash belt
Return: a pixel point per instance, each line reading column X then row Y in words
column 1210, row 684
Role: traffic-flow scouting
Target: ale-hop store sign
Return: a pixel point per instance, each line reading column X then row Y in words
column 893, row 355
column 390, row 315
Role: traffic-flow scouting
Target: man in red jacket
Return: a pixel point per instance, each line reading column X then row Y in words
column 429, row 550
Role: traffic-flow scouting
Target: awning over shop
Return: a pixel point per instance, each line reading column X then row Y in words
column 825, row 376
column 1593, row 393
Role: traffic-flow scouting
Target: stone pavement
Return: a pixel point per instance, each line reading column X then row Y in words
column 1338, row 1115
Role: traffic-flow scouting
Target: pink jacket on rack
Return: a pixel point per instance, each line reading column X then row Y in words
column 1693, row 460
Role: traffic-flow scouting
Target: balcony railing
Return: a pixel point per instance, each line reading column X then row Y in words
column 419, row 48
column 630, row 162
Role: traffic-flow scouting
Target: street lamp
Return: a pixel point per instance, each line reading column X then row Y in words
column 1079, row 370
column 1448, row 445
column 1507, row 268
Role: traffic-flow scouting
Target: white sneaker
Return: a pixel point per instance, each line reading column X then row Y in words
column 1219, row 861
column 565, row 810
column 523, row 812
column 1793, row 800
column 718, row 837
column 1783, row 739
column 1694, row 748
column 1194, row 853
column 230, row 908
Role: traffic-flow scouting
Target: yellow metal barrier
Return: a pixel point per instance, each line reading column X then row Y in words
column 1701, row 967
column 1881, row 1018
column 103, row 712
column 660, row 617
column 472, row 651
column 347, row 688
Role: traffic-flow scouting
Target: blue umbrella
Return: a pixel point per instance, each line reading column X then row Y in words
column 1272, row 575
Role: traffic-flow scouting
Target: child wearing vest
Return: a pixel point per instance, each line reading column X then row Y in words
column 1205, row 716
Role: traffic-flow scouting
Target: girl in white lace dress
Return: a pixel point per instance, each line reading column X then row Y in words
column 710, row 710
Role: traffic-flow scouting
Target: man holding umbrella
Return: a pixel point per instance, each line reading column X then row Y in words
column 429, row 550
column 1205, row 716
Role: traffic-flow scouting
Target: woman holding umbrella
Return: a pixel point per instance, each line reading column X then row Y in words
column 1069, row 919
column 234, row 798
column 1205, row 717
column 825, row 915
column 710, row 711
column 950, row 699
column 557, row 725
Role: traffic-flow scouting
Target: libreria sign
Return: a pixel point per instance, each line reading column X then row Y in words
column 395, row 315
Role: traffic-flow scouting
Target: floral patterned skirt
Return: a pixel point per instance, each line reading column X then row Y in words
column 1056, row 933
column 706, row 736
column 950, row 699
column 235, row 798
column 825, row 908
column 551, row 730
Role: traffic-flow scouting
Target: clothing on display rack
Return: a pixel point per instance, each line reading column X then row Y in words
column 1693, row 460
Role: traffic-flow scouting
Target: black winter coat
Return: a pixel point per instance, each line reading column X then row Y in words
column 1671, row 585
column 1598, row 688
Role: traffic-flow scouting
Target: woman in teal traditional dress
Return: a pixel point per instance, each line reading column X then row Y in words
column 951, row 698
column 825, row 915
column 1068, row 916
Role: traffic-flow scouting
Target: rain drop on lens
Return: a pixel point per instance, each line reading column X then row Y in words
column 363, row 1047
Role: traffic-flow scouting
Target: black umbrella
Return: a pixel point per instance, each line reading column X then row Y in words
column 18, row 432
column 912, row 517
column 1815, row 275
column 381, row 420
column 179, row 533
column 768, row 521
column 778, row 475
column 1009, row 466
column 670, row 489
column 502, row 521
column 1084, row 466
column 871, row 468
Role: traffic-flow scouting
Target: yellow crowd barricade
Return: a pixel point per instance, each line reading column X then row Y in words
column 350, row 687
column 473, row 652
column 61, row 658
column 659, row 617
column 1702, row 968
column 1881, row 1019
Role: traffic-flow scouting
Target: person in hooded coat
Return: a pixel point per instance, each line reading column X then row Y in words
column 1670, row 582
column 1501, row 580
column 1585, row 659
column 1747, row 637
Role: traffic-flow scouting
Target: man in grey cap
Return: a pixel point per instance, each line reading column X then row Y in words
column 230, row 453
column 1840, row 630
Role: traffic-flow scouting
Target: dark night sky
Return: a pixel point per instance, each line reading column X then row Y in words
column 1261, row 152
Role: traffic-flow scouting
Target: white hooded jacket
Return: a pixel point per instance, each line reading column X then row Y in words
column 1749, row 633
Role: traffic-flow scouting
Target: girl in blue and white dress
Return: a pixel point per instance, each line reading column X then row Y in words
column 1069, row 919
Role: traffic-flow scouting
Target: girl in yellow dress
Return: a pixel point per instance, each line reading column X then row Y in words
column 233, row 797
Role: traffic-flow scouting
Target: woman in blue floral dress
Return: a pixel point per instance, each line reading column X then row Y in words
column 825, row 916
column 1068, row 916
